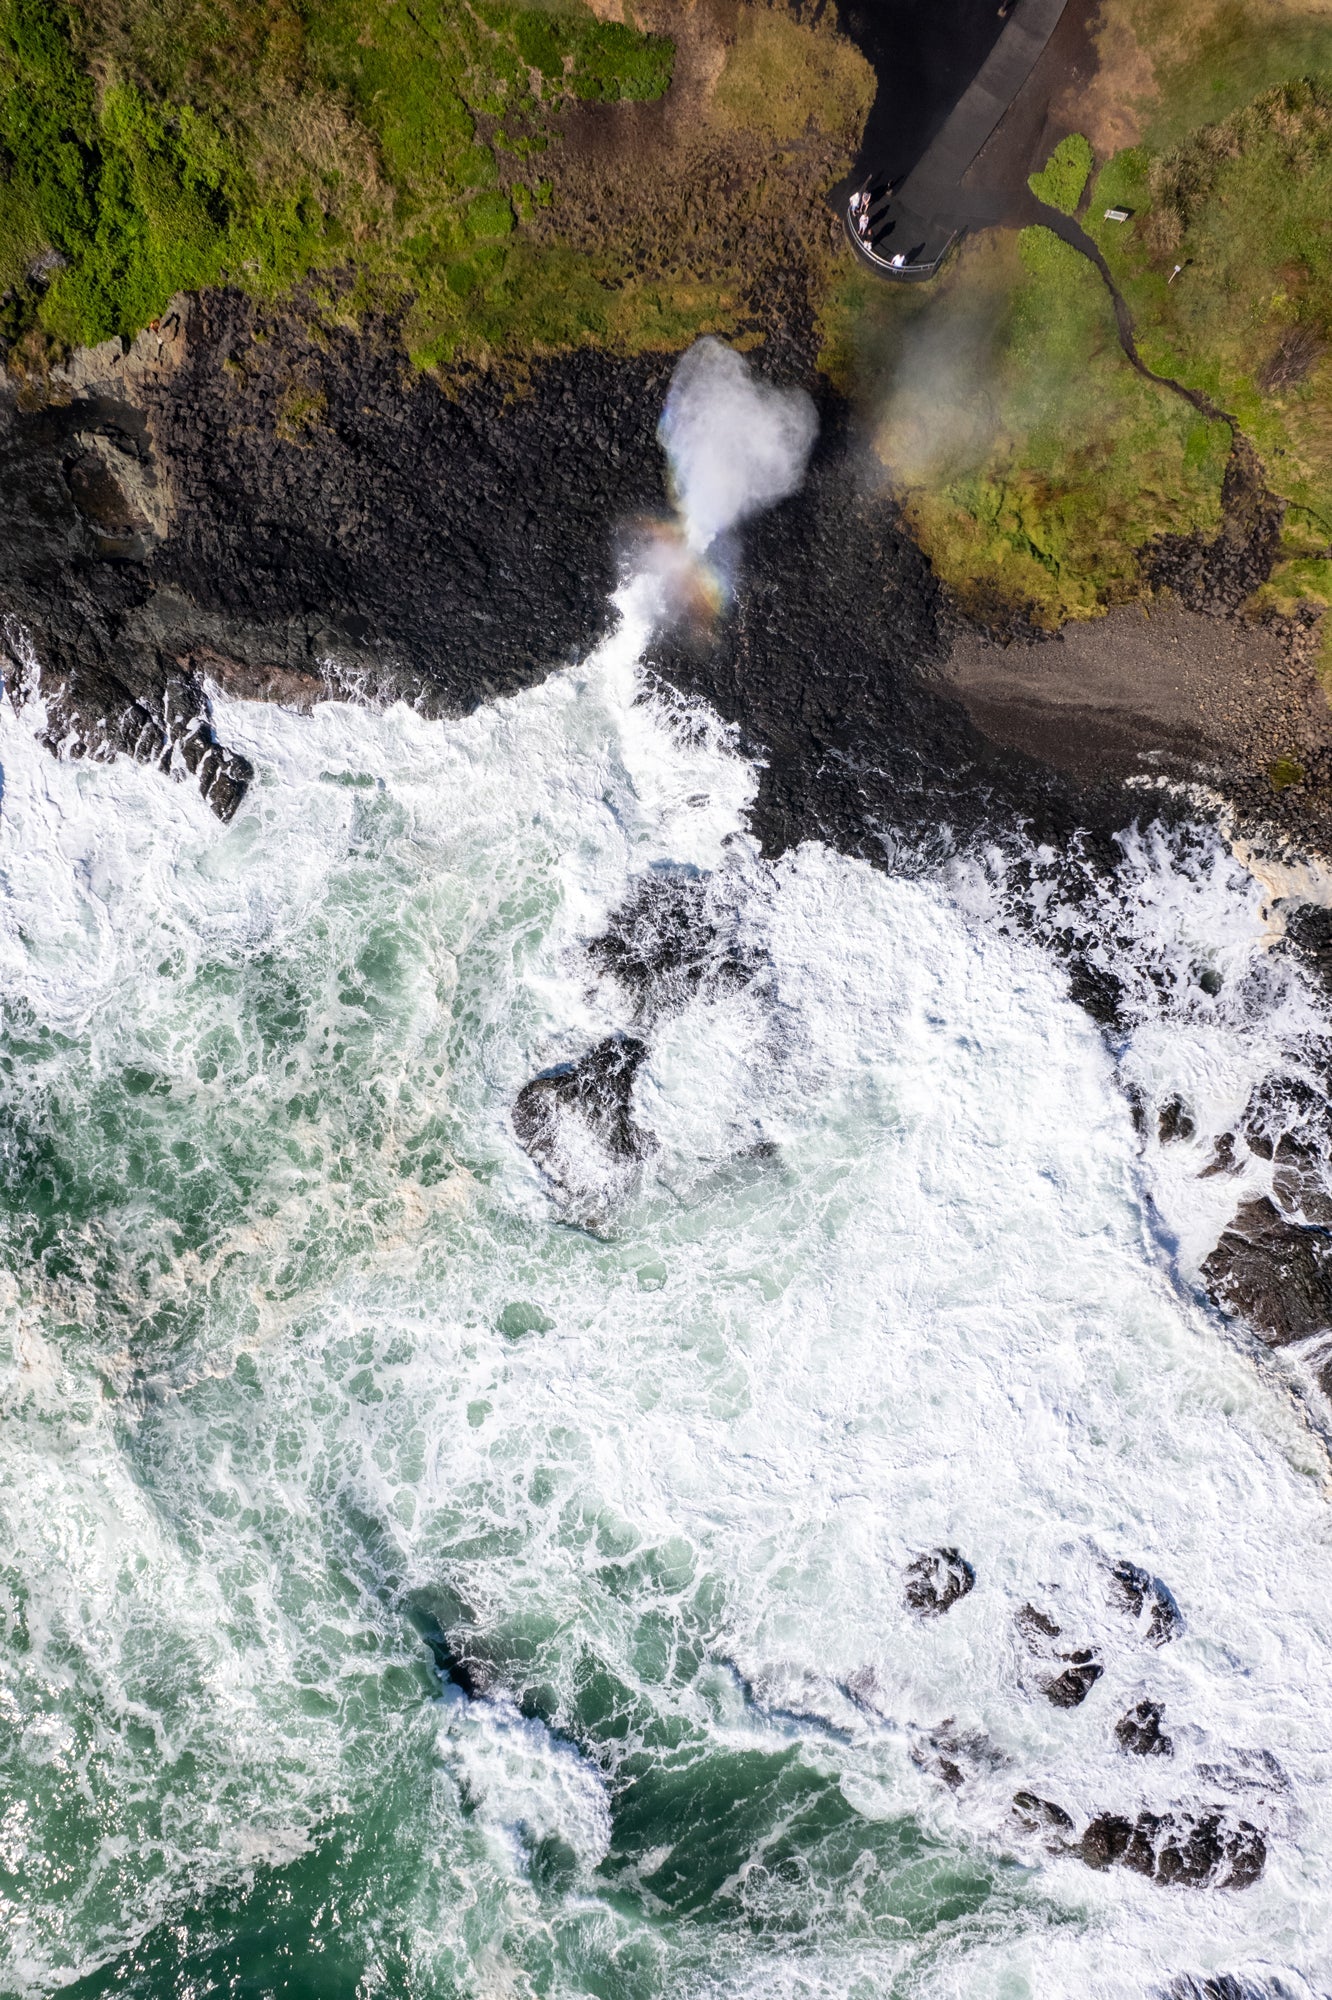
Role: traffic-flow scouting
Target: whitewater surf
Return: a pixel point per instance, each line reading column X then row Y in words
column 448, row 1552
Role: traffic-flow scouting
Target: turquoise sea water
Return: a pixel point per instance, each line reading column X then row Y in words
column 308, row 1381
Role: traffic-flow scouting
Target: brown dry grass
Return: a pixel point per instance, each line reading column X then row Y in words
column 1166, row 66
column 783, row 79
column 722, row 187
column 1110, row 110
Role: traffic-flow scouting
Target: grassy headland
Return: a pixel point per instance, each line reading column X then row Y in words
column 442, row 159
column 1036, row 474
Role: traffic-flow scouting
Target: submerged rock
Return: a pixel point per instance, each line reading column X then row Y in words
column 1258, row 1985
column 1071, row 1688
column 1145, row 1598
column 576, row 1121
column 1036, row 1625
column 1178, row 1848
column 1274, row 1272
column 1082, row 1668
column 668, row 943
column 954, row 1754
column 1037, row 1815
column 1139, row 1732
column 937, row 1580
column 1174, row 1121
column 522, row 1317
column 455, row 1661
column 475, row 1677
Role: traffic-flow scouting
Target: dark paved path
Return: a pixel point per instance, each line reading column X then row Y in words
column 922, row 217
column 924, row 53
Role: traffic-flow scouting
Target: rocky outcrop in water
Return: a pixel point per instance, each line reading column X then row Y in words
column 576, row 1121
column 1181, row 1848
column 938, row 1580
column 1259, row 1985
column 1139, row 1732
column 1146, row 1600
column 1065, row 1675
column 1273, row 1271
column 1033, row 1814
column 672, row 942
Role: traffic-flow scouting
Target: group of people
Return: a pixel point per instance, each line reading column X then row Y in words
column 859, row 211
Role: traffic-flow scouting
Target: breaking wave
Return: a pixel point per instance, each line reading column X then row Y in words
column 775, row 1516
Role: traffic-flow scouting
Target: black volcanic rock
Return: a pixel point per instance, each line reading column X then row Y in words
column 463, row 539
column 1076, row 1670
column 1146, row 1599
column 445, row 546
column 1226, row 1986
column 938, row 1580
column 1180, row 1848
column 1070, row 1688
column 1037, row 1815
column 1274, row 1271
column 1174, row 1121
column 448, row 543
column 1140, row 1734
column 1217, row 573
column 576, row 1121
column 823, row 660
column 668, row 944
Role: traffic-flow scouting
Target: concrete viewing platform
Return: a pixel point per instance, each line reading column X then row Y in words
column 906, row 231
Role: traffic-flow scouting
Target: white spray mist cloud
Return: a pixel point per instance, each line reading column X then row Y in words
column 736, row 445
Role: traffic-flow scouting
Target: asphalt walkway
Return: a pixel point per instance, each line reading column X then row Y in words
column 918, row 221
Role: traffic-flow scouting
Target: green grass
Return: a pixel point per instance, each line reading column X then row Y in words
column 1036, row 473
column 1211, row 58
column 411, row 158
column 1242, row 207
column 152, row 148
column 1065, row 174
column 1032, row 460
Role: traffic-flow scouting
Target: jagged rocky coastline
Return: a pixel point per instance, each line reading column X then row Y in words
column 234, row 502
column 282, row 508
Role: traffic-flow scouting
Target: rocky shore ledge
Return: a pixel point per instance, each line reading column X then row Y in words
column 239, row 500
column 243, row 501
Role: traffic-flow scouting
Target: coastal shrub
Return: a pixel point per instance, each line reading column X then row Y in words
column 1289, row 128
column 408, row 158
column 489, row 215
column 48, row 191
column 110, row 206
column 617, row 63
column 1061, row 181
column 152, row 146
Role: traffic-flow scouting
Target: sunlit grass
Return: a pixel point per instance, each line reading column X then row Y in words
column 1032, row 460
column 156, row 149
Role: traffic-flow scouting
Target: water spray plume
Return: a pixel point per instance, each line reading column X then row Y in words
column 736, row 445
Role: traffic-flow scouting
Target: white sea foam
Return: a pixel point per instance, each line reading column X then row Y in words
column 266, row 1395
column 525, row 1785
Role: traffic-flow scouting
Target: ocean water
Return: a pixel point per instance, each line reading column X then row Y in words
column 425, row 1574
column 309, row 1377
